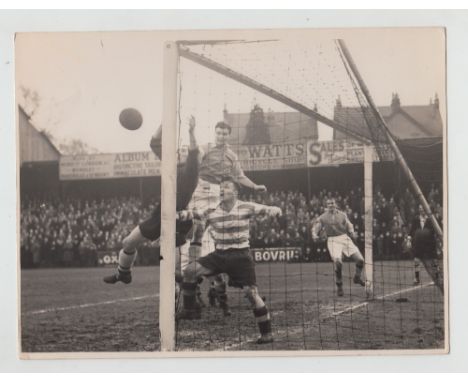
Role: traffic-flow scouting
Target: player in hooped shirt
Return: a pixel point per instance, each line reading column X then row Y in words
column 230, row 228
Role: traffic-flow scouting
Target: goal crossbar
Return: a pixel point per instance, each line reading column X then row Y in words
column 245, row 80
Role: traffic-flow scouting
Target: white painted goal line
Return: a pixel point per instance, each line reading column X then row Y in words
column 89, row 305
column 364, row 303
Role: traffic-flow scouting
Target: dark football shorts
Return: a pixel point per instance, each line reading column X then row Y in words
column 425, row 254
column 238, row 264
column 151, row 228
column 187, row 179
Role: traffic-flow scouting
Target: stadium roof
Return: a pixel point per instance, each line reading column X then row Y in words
column 259, row 127
column 404, row 122
column 35, row 146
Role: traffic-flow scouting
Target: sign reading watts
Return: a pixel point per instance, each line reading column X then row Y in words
column 272, row 157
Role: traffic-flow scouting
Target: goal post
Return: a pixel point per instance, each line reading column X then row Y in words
column 286, row 104
column 168, row 197
column 368, row 220
column 388, row 138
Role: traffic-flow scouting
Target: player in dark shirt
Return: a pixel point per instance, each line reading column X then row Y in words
column 150, row 229
column 423, row 243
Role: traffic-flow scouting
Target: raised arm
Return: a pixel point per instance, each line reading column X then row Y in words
column 193, row 140
column 263, row 209
column 243, row 179
column 156, row 141
column 316, row 227
column 246, row 182
column 201, row 218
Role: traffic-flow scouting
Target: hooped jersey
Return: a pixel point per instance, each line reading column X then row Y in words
column 231, row 229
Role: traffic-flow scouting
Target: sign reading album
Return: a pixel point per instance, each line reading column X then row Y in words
column 104, row 166
column 331, row 153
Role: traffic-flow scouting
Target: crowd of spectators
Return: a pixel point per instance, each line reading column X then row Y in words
column 392, row 215
column 64, row 232
column 72, row 231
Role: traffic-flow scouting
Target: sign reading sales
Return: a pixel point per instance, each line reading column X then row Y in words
column 103, row 166
column 331, row 153
column 264, row 255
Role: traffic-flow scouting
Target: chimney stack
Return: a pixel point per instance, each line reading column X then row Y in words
column 338, row 104
column 395, row 102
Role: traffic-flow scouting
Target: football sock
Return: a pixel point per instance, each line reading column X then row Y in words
column 338, row 273
column 416, row 275
column 359, row 266
column 178, row 278
column 195, row 251
column 220, row 288
column 198, row 292
column 263, row 320
column 189, row 295
column 126, row 259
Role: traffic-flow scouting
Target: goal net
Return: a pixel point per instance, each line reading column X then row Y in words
column 302, row 125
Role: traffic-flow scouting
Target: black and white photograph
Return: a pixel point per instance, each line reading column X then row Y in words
column 231, row 192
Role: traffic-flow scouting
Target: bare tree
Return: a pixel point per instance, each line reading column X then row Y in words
column 76, row 147
column 31, row 102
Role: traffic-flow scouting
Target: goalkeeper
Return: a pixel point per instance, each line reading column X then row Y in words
column 150, row 229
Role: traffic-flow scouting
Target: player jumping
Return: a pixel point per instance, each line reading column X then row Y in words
column 230, row 224
column 150, row 229
column 337, row 227
column 216, row 162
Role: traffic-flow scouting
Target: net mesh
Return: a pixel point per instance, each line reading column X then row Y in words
column 268, row 93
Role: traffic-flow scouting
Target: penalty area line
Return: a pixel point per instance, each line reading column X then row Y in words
column 89, row 305
column 333, row 314
column 395, row 293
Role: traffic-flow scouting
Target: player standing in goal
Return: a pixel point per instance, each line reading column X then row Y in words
column 337, row 226
column 230, row 225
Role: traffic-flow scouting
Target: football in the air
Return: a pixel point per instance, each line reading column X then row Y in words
column 131, row 118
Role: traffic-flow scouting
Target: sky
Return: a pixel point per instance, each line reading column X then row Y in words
column 85, row 79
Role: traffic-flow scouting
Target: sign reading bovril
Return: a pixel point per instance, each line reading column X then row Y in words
column 265, row 255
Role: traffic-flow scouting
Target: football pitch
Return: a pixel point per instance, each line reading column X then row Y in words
column 72, row 310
